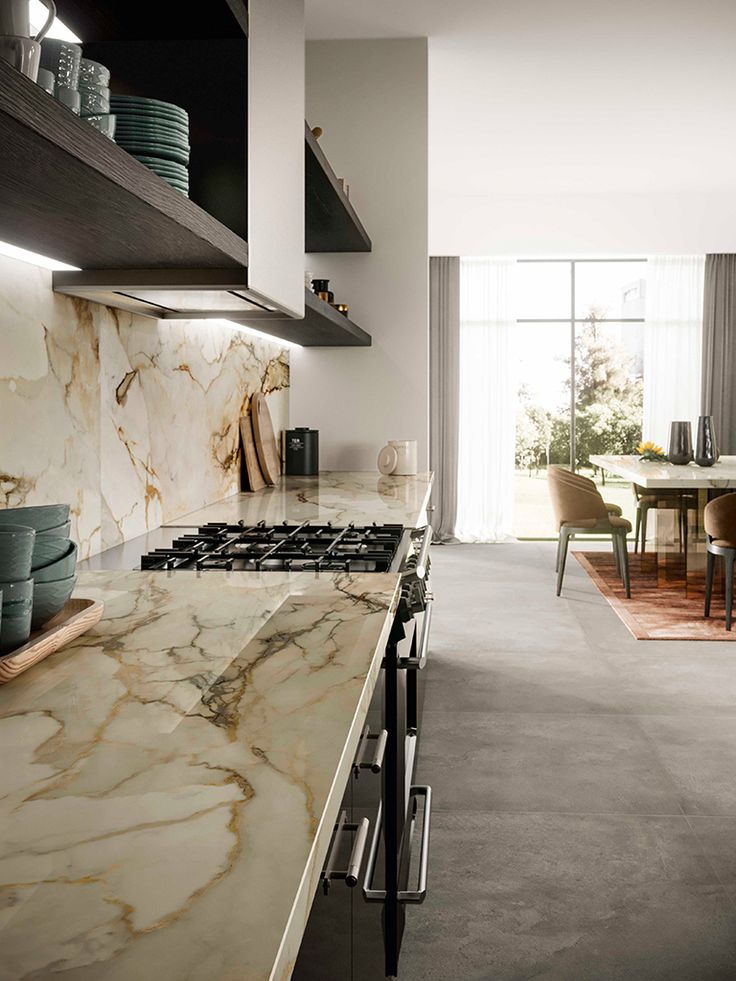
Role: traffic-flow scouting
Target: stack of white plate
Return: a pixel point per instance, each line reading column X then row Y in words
column 157, row 134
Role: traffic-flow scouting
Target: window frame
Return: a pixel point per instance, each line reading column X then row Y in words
column 573, row 321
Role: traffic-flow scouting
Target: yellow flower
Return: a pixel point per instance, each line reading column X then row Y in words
column 649, row 447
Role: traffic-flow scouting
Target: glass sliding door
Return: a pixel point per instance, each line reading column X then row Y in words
column 578, row 354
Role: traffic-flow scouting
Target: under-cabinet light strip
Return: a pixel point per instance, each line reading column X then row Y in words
column 35, row 258
column 260, row 334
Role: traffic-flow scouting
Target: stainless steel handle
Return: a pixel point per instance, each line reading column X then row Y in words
column 375, row 764
column 421, row 568
column 417, row 662
column 352, row 873
column 419, row 894
column 356, row 855
column 370, row 894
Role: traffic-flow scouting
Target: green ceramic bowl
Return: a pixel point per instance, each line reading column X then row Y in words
column 50, row 547
column 42, row 517
column 15, row 629
column 16, row 552
column 60, row 569
column 49, row 598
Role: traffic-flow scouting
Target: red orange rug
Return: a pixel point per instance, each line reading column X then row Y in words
column 654, row 612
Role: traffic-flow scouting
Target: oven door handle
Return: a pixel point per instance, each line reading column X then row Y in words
column 419, row 894
column 419, row 661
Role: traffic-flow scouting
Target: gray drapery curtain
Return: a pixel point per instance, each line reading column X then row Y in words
column 719, row 348
column 444, row 390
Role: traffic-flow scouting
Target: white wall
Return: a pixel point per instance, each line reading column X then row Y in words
column 604, row 224
column 370, row 97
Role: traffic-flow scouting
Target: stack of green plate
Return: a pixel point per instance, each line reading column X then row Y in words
column 157, row 134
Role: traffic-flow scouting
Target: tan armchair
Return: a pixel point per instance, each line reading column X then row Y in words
column 719, row 519
column 579, row 509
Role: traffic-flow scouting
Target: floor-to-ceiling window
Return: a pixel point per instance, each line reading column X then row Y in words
column 578, row 352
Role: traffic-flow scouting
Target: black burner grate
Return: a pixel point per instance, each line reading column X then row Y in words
column 289, row 547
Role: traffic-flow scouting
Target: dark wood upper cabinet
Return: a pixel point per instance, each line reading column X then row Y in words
column 71, row 194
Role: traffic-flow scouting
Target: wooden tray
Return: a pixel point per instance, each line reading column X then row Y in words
column 268, row 454
column 77, row 616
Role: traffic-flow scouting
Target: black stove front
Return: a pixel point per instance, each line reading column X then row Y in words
column 285, row 547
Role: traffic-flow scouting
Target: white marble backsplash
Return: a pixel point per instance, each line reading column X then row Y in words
column 135, row 422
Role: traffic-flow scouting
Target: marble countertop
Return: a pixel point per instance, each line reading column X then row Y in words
column 336, row 496
column 661, row 475
column 171, row 780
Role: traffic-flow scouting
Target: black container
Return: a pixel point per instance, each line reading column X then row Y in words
column 301, row 451
column 681, row 443
column 706, row 448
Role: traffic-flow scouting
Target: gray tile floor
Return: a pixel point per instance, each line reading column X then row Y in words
column 584, row 823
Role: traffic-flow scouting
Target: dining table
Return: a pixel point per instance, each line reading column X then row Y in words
column 680, row 559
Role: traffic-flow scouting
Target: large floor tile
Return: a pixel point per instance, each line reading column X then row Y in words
column 669, row 682
column 566, row 898
column 520, row 681
column 528, row 762
column 699, row 753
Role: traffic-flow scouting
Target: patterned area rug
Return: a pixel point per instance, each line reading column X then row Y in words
column 654, row 613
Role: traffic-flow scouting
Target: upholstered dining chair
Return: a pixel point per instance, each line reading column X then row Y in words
column 661, row 499
column 719, row 519
column 579, row 509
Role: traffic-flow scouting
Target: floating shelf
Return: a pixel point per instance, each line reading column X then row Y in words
column 331, row 222
column 70, row 193
column 322, row 326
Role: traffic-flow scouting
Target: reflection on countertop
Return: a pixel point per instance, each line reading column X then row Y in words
column 171, row 779
column 337, row 496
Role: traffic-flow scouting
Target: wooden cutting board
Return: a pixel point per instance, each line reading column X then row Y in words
column 268, row 453
column 252, row 466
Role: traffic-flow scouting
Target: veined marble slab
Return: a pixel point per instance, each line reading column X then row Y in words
column 171, row 780
column 336, row 496
column 131, row 421
column 658, row 475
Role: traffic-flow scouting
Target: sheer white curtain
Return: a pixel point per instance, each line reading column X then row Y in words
column 672, row 343
column 485, row 484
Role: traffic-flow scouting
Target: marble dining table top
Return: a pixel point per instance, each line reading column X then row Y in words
column 341, row 497
column 170, row 781
column 661, row 475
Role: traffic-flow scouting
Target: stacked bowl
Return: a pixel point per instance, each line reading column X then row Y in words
column 37, row 569
column 157, row 134
column 78, row 83
column 94, row 93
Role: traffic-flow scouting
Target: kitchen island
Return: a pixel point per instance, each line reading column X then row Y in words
column 171, row 780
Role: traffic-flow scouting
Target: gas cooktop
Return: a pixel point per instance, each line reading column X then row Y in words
column 288, row 547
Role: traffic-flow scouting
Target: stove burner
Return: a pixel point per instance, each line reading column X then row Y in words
column 270, row 548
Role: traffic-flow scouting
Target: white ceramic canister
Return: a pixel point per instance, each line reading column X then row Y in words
column 398, row 457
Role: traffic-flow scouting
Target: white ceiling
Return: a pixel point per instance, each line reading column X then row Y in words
column 548, row 98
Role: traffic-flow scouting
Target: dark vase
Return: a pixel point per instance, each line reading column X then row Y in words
column 681, row 443
column 706, row 449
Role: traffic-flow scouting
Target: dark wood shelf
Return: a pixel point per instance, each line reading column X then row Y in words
column 322, row 326
column 331, row 222
column 70, row 193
